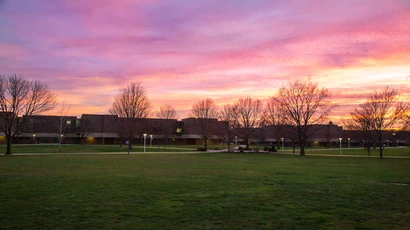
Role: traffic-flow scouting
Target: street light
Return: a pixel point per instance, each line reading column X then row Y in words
column 348, row 142
column 282, row 144
column 145, row 139
column 236, row 140
column 34, row 138
column 340, row 140
column 150, row 142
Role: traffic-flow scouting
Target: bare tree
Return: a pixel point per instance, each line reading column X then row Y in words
column 361, row 119
column 382, row 111
column 229, row 116
column 274, row 117
column 168, row 113
column 21, row 97
column 305, row 104
column 62, row 124
column 250, row 117
column 131, row 103
column 405, row 116
column 204, row 111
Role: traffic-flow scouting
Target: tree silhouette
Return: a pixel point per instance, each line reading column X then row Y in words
column 20, row 97
column 381, row 112
column 166, row 112
column 250, row 117
column 205, row 111
column 304, row 104
column 130, row 104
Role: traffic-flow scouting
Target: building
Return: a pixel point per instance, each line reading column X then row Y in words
column 110, row 129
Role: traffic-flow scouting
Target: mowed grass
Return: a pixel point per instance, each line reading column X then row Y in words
column 387, row 152
column 77, row 148
column 53, row 148
column 203, row 191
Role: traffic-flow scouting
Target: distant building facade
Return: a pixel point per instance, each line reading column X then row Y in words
column 109, row 129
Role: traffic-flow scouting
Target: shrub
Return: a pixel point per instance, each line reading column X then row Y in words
column 201, row 149
column 240, row 149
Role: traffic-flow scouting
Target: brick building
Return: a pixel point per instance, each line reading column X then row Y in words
column 110, row 129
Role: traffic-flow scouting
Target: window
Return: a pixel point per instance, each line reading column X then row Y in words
column 179, row 130
column 68, row 122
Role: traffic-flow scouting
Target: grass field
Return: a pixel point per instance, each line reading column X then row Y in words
column 203, row 191
column 53, row 148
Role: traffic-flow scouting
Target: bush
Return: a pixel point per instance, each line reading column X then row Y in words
column 202, row 149
column 240, row 149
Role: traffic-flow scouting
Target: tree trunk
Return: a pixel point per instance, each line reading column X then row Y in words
column 129, row 145
column 206, row 142
column 8, row 149
column 302, row 148
column 381, row 146
column 59, row 145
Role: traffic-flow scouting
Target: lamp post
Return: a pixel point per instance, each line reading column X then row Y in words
column 283, row 146
column 340, row 141
column 394, row 137
column 145, row 139
column 34, row 138
column 236, row 140
column 348, row 142
column 150, row 141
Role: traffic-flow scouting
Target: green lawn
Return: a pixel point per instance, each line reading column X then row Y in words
column 203, row 191
column 387, row 152
column 53, row 148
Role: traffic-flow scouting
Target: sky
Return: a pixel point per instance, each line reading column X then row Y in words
column 184, row 51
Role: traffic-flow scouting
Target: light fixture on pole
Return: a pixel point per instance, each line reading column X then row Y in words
column 282, row 144
column 348, row 142
column 150, row 141
column 34, row 138
column 340, row 140
column 236, row 140
column 145, row 139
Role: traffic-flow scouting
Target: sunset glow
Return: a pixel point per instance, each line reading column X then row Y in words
column 184, row 51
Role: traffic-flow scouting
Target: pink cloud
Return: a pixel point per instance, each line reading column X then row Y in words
column 184, row 50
